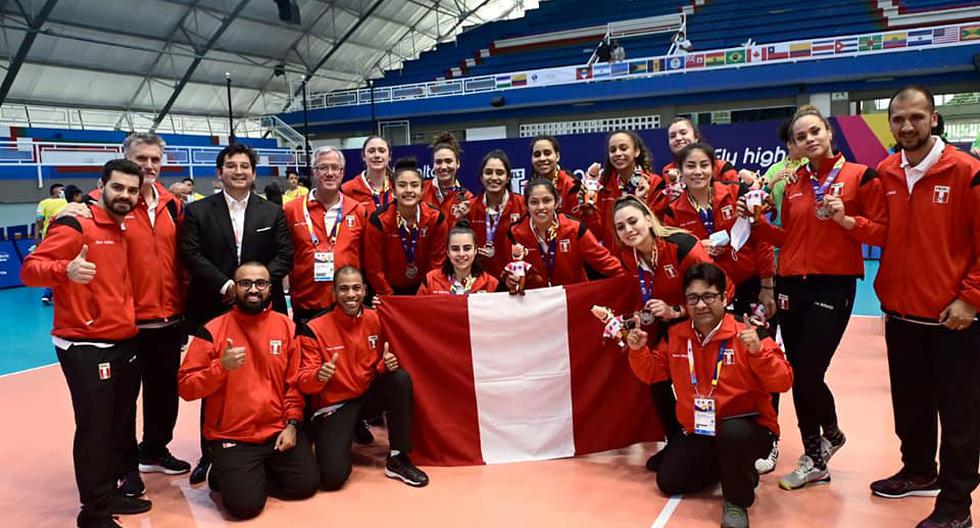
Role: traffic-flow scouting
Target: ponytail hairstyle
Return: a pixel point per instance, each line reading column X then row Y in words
column 810, row 110
column 445, row 140
column 407, row 165
column 657, row 229
column 462, row 227
column 643, row 161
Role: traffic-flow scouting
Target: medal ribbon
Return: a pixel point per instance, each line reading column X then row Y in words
column 409, row 237
column 336, row 225
column 548, row 246
column 717, row 369
column 455, row 187
column 491, row 225
column 820, row 190
column 380, row 198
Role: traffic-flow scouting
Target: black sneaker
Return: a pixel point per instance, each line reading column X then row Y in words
column 200, row 473
column 653, row 463
column 131, row 485
column 400, row 467
column 165, row 463
column 107, row 522
column 363, row 434
column 905, row 484
column 936, row 521
column 124, row 505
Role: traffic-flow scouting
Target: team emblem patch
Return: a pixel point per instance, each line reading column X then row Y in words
column 727, row 212
column 514, row 217
column 837, row 189
column 782, row 300
column 565, row 245
column 729, row 356
column 350, row 220
column 670, row 271
column 275, row 346
column 373, row 341
column 940, row 194
column 423, row 231
column 105, row 371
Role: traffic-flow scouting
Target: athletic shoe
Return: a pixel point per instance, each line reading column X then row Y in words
column 108, row 522
column 131, row 484
column 165, row 463
column 400, row 467
column 905, row 484
column 828, row 449
column 768, row 464
column 363, row 434
column 200, row 473
column 655, row 460
column 805, row 473
column 935, row 521
column 733, row 516
column 124, row 505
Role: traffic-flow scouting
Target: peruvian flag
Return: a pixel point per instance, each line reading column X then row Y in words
column 501, row 378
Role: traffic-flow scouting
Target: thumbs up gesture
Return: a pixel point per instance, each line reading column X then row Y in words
column 750, row 336
column 81, row 270
column 325, row 372
column 233, row 357
column 391, row 362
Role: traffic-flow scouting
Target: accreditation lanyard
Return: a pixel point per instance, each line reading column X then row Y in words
column 409, row 235
column 455, row 187
column 336, row 225
column 820, row 190
column 548, row 246
column 717, row 371
column 492, row 225
column 380, row 198
column 645, row 277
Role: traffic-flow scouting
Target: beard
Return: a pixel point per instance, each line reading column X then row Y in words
column 254, row 308
column 916, row 143
column 119, row 206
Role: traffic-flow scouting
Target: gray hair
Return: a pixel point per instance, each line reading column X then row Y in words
column 146, row 138
column 327, row 150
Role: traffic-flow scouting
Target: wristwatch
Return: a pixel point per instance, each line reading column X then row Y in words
column 294, row 422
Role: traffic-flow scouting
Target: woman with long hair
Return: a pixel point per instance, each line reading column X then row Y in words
column 681, row 133
column 559, row 248
column 444, row 190
column 461, row 273
column 827, row 212
column 492, row 213
column 406, row 239
column 372, row 187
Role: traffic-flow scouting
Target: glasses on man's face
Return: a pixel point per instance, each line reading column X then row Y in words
column 709, row 298
column 260, row 284
column 328, row 168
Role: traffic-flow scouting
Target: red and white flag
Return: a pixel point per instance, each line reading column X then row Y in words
column 501, row 378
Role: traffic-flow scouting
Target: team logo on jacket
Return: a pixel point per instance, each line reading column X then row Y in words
column 350, row 220
column 565, row 245
column 727, row 212
column 940, row 194
column 670, row 271
column 275, row 346
column 373, row 342
column 105, row 371
column 782, row 300
column 837, row 189
column 728, row 356
column 514, row 217
column 423, row 231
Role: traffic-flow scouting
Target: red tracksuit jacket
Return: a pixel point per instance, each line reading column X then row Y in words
column 675, row 254
column 446, row 205
column 744, row 384
column 723, row 171
column 251, row 403
column 477, row 218
column 358, row 189
column 600, row 219
column 755, row 259
column 359, row 343
column 306, row 293
column 437, row 283
column 384, row 257
column 575, row 246
column 567, row 187
column 932, row 254
column 810, row 246
column 101, row 310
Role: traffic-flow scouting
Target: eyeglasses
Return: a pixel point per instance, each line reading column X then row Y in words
column 708, row 298
column 246, row 284
column 328, row 168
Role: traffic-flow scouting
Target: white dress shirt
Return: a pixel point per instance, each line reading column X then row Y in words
column 914, row 174
column 236, row 209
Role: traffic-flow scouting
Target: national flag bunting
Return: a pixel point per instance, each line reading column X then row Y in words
column 601, row 71
column 714, row 59
column 519, row 79
column 503, row 81
column 695, row 61
column 895, row 40
column 846, row 45
column 657, row 65
column 823, row 47
column 620, row 69
column 869, row 43
column 637, row 67
column 945, row 35
column 486, row 393
column 970, row 32
column 799, row 49
column 583, row 72
column 922, row 37
column 776, row 52
column 675, row 63
column 735, row 57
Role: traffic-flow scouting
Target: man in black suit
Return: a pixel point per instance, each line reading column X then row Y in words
column 222, row 231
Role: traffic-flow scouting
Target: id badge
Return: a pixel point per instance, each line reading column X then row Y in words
column 323, row 266
column 704, row 416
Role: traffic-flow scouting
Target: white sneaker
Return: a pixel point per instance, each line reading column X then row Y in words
column 768, row 464
column 828, row 450
column 805, row 473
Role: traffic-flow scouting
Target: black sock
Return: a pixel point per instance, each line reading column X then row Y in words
column 811, row 447
column 834, row 434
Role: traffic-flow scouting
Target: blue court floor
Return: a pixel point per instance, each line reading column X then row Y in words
column 25, row 323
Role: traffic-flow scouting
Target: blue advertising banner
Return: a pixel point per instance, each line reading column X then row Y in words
column 9, row 265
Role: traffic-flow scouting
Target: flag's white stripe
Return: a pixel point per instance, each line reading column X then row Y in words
column 523, row 386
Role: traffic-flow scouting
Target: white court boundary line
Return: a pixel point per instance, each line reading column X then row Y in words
column 661, row 520
column 28, row 370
